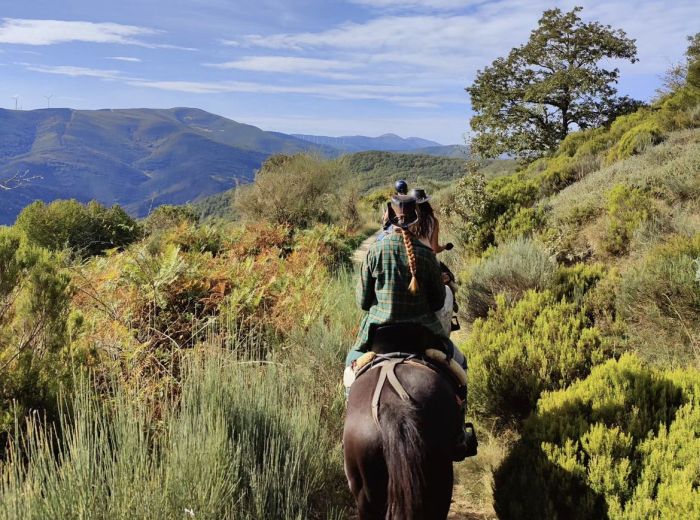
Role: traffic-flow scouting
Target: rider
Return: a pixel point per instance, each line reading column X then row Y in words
column 428, row 225
column 428, row 232
column 400, row 282
column 401, row 187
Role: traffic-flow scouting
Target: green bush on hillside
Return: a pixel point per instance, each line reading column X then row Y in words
column 509, row 270
column 525, row 223
column 476, row 208
column 331, row 242
column 523, row 349
column 167, row 216
column 627, row 209
column 574, row 283
column 621, row 444
column 202, row 239
column 297, row 191
column 660, row 300
column 34, row 307
column 87, row 229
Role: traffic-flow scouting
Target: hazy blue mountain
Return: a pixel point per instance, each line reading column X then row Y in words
column 360, row 143
column 457, row 151
column 138, row 158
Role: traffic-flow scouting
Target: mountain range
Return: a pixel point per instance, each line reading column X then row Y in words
column 386, row 143
column 142, row 158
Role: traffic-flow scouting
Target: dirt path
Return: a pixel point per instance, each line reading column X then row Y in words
column 360, row 253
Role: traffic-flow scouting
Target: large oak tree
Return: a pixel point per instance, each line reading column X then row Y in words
column 559, row 81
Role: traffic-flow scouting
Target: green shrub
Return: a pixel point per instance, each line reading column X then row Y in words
column 509, row 270
column 88, row 230
column 523, row 349
column 298, row 191
column 559, row 173
column 523, row 224
column 335, row 245
column 200, row 239
column 574, row 282
column 168, row 216
column 245, row 441
column 34, row 307
column 621, row 444
column 660, row 299
column 466, row 210
column 476, row 208
column 510, row 193
column 636, row 140
column 627, row 209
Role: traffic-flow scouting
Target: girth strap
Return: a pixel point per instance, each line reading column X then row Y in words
column 387, row 372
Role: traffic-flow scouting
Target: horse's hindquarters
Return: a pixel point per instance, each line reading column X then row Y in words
column 406, row 466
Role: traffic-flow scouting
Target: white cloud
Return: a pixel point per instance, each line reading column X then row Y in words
column 413, row 4
column 50, row 32
column 409, row 96
column 402, row 95
column 445, row 49
column 69, row 70
column 290, row 65
column 284, row 64
column 125, row 58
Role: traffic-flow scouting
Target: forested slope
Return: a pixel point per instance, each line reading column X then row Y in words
column 580, row 295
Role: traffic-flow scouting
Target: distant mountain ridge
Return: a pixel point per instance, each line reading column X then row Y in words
column 142, row 158
column 139, row 158
column 361, row 143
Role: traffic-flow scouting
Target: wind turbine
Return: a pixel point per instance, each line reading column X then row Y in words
column 48, row 100
column 16, row 98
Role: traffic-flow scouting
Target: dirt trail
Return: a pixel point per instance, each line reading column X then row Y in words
column 359, row 255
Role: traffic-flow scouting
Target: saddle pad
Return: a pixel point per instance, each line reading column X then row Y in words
column 440, row 357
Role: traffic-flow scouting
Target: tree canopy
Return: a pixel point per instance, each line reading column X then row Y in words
column 527, row 102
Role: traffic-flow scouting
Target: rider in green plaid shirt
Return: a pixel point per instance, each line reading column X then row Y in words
column 383, row 291
column 401, row 282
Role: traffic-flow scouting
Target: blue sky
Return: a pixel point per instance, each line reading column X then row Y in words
column 325, row 67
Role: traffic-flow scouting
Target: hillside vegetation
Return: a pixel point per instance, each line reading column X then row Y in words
column 580, row 292
column 175, row 366
column 174, row 369
column 366, row 172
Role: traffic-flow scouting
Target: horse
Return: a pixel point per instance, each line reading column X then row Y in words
column 400, row 467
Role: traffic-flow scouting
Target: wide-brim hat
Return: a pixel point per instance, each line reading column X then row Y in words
column 404, row 211
column 420, row 195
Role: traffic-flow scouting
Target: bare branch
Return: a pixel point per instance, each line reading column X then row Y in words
column 18, row 180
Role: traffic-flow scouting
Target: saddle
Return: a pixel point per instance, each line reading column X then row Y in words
column 395, row 344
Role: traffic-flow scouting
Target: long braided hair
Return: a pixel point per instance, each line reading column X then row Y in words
column 407, row 235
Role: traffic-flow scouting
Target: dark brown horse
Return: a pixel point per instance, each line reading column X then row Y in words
column 401, row 469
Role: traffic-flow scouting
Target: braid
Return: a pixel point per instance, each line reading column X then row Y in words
column 413, row 286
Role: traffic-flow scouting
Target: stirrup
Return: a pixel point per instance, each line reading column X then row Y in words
column 471, row 440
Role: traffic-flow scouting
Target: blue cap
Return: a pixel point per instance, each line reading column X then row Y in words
column 401, row 187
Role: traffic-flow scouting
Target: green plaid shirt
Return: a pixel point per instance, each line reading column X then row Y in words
column 382, row 290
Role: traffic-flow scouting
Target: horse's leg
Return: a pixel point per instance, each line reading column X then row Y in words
column 438, row 493
column 365, row 468
column 367, row 476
